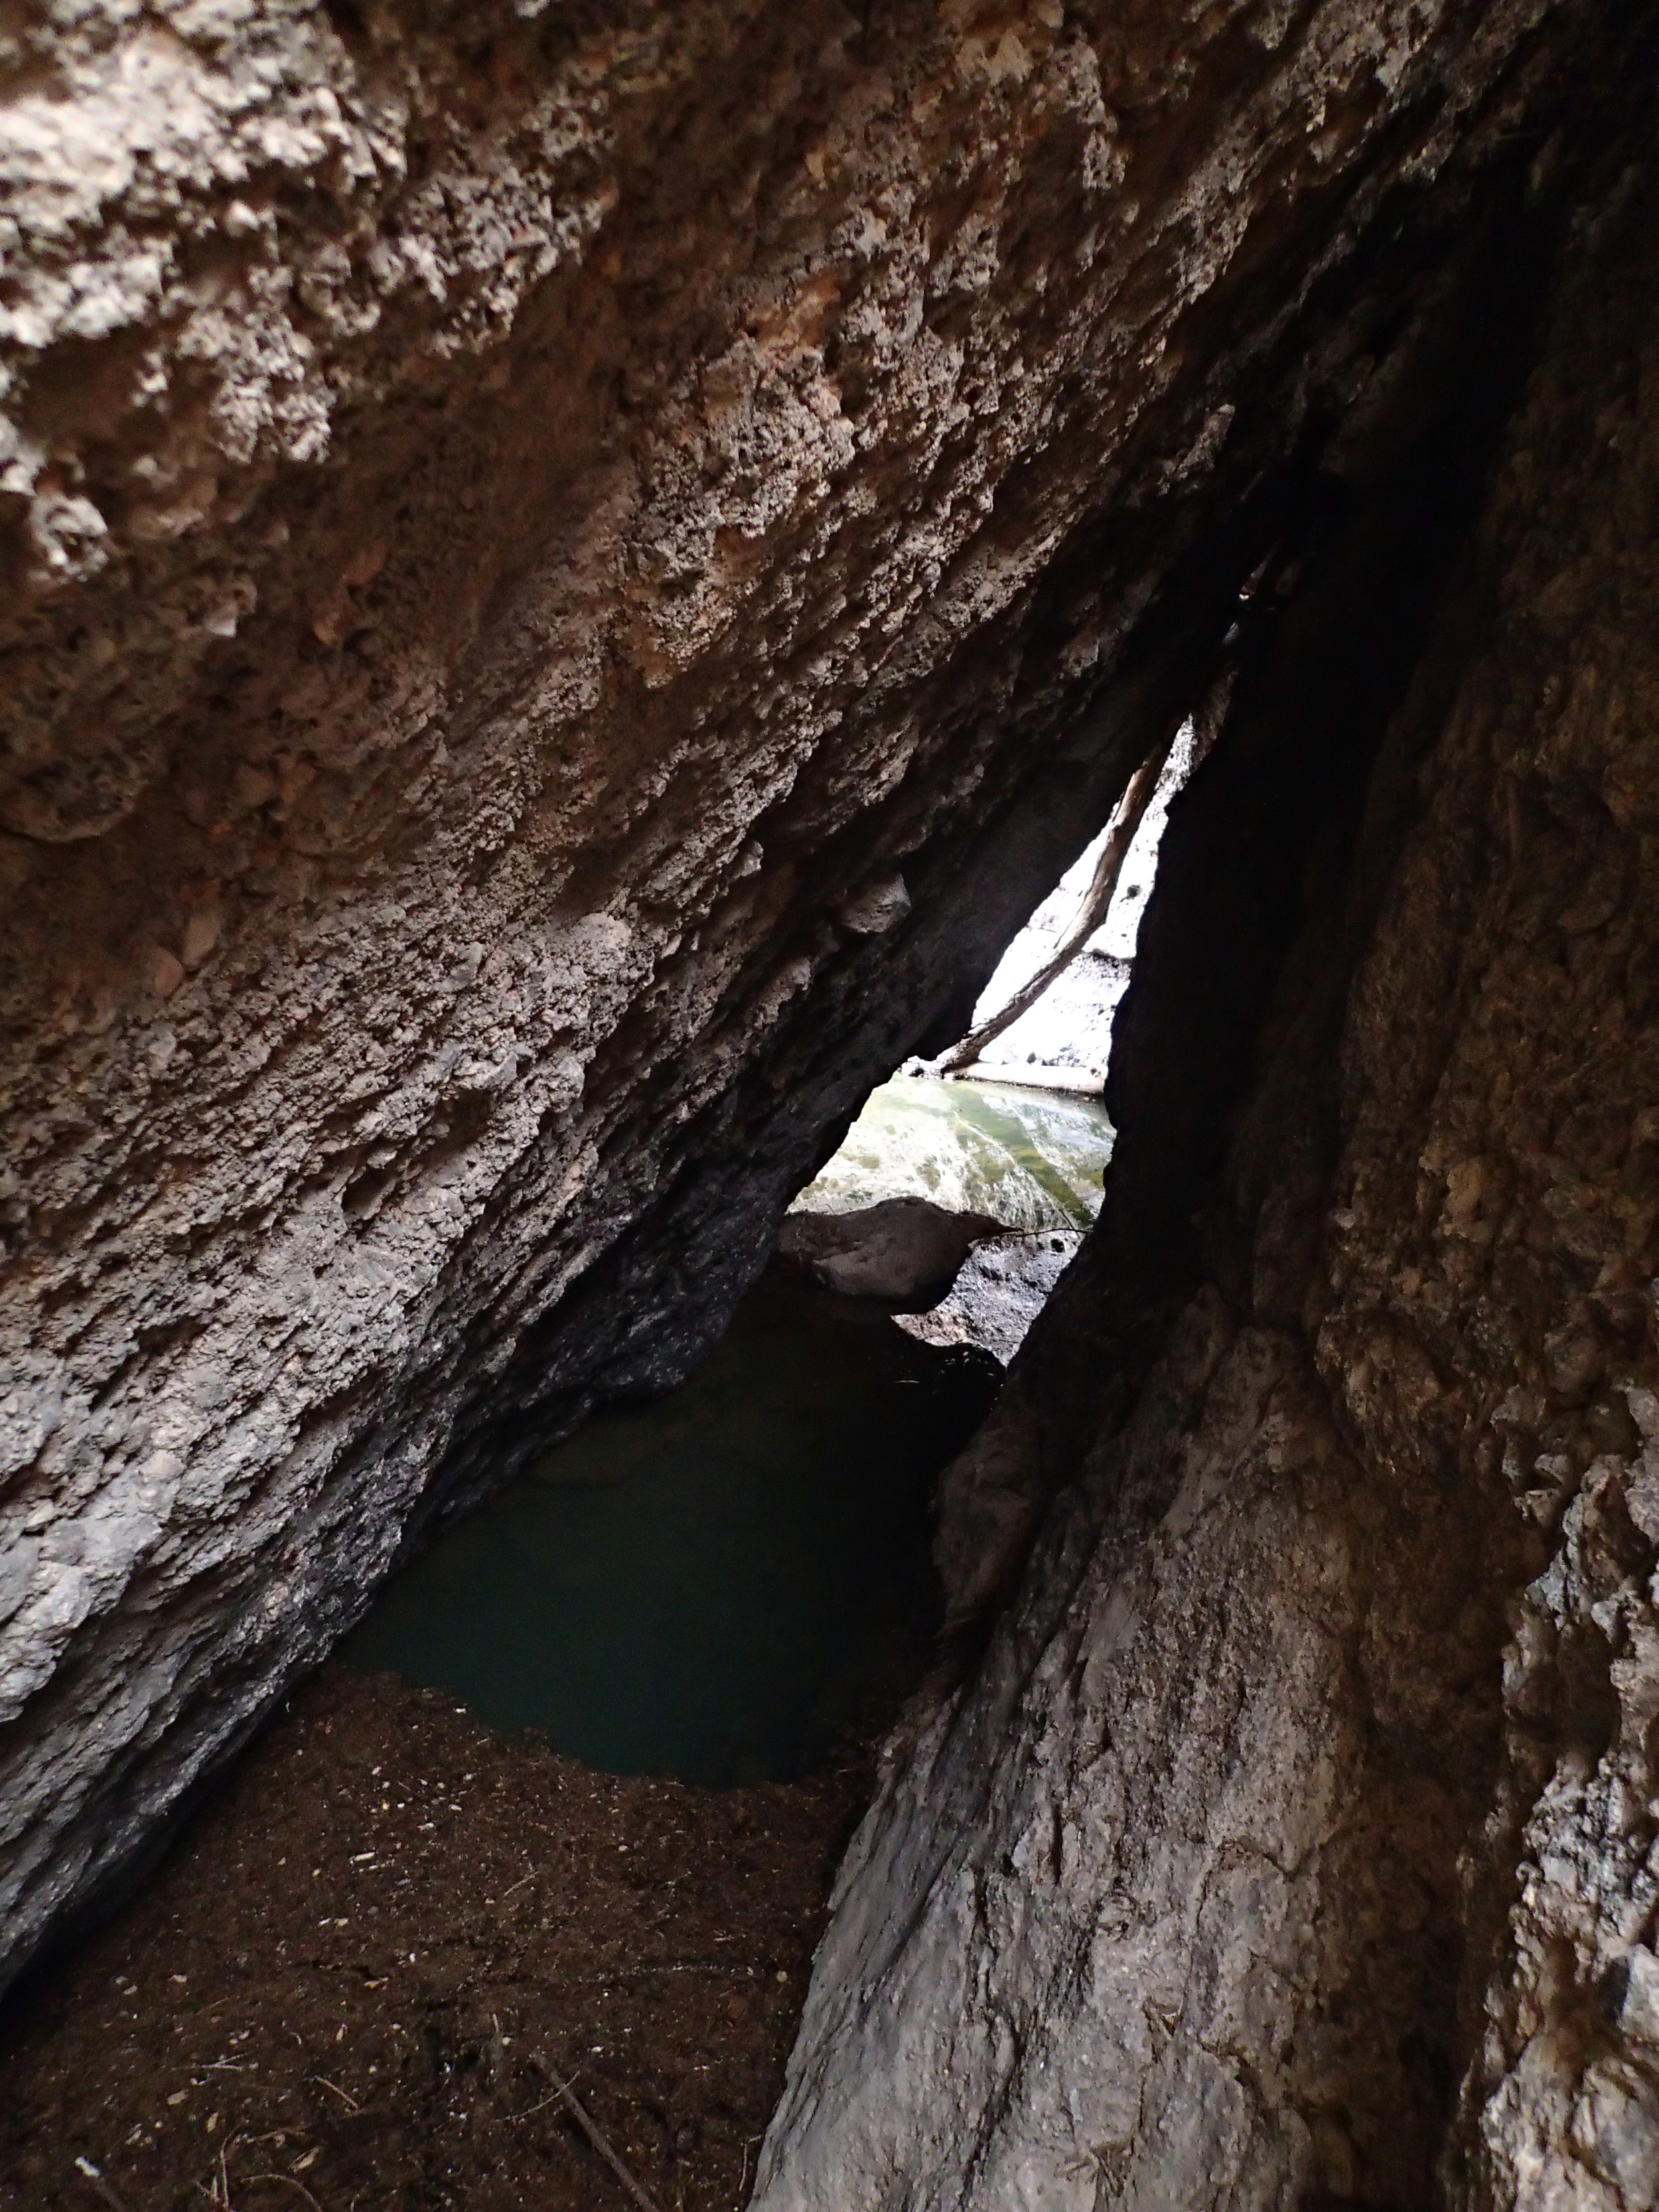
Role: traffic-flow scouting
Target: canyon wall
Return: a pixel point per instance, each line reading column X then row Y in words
column 1294, row 1841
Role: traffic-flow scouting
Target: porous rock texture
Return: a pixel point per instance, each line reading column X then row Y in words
column 1296, row 1840
column 571, row 575
column 998, row 1292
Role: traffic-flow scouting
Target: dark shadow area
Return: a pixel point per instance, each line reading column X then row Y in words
column 724, row 1583
column 1256, row 869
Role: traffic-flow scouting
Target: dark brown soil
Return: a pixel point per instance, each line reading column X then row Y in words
column 354, row 1981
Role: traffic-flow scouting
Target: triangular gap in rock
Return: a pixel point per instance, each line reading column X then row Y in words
column 964, row 1187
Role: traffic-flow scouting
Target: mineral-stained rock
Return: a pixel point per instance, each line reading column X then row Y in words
column 999, row 1290
column 1297, row 1843
column 907, row 1250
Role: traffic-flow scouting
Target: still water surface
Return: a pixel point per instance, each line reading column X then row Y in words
column 718, row 1585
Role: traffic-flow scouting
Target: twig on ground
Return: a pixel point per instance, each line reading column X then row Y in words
column 552, row 2096
column 224, row 2174
column 339, row 2091
column 293, row 2182
column 85, row 2167
column 749, row 2144
column 596, row 2135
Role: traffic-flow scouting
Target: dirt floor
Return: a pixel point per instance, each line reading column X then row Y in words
column 359, row 1976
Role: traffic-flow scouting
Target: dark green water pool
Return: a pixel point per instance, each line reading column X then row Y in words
column 717, row 1585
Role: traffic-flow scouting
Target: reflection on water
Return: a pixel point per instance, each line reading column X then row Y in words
column 1032, row 1159
column 715, row 1585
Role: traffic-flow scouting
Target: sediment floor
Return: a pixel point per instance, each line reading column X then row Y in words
column 361, row 1975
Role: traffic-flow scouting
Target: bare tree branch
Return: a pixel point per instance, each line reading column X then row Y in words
column 1137, row 797
column 1131, row 809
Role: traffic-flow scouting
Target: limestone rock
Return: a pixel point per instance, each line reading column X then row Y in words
column 1298, row 1841
column 907, row 1250
column 877, row 910
column 516, row 521
column 998, row 1292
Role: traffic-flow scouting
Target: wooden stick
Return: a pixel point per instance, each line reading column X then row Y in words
column 1137, row 797
column 85, row 2167
column 597, row 2136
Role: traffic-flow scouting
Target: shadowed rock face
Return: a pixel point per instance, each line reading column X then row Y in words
column 1002, row 1287
column 1294, row 1842
column 570, row 579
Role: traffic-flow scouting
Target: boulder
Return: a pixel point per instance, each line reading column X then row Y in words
column 905, row 1251
column 999, row 1290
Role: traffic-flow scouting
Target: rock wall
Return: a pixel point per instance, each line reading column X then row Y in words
column 1295, row 1841
column 570, row 575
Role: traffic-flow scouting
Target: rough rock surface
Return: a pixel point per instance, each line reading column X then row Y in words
column 570, row 575
column 906, row 1250
column 1297, row 1843
column 998, row 1292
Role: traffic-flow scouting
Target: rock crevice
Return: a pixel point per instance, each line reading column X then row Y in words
column 1293, row 1842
